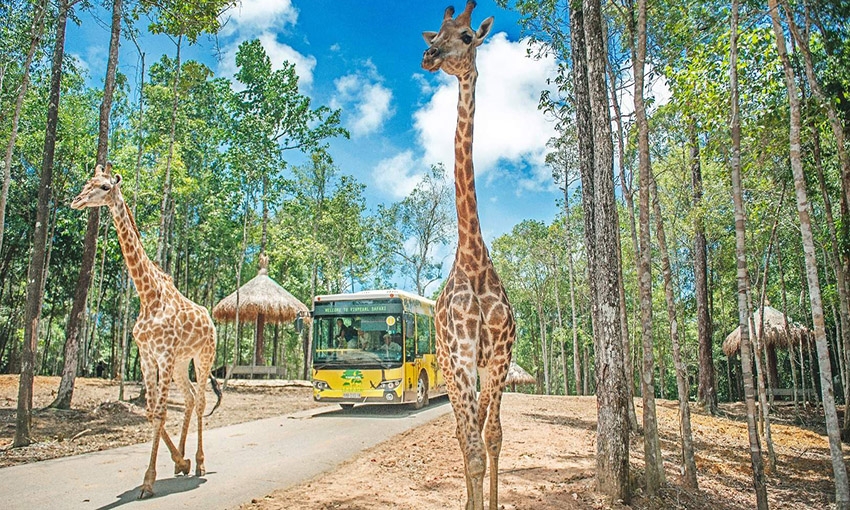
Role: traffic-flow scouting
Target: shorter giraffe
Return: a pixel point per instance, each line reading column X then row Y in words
column 170, row 331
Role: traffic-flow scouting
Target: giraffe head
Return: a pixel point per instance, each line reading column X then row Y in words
column 101, row 189
column 453, row 48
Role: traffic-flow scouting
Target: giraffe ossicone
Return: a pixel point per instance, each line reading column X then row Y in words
column 474, row 321
column 170, row 331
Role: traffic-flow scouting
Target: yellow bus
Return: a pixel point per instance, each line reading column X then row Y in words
column 375, row 346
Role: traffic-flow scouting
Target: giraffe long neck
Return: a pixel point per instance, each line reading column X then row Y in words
column 471, row 249
column 142, row 269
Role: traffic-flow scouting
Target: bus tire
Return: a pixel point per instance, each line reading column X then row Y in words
column 421, row 391
column 347, row 407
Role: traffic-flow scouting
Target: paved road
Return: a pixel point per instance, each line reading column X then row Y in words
column 243, row 462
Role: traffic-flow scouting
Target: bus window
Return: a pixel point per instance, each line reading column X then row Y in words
column 424, row 345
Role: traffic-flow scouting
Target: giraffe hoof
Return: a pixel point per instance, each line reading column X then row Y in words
column 146, row 492
column 182, row 468
column 200, row 471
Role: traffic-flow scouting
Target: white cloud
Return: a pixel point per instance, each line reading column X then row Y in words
column 508, row 126
column 277, row 52
column 253, row 17
column 655, row 87
column 368, row 100
column 398, row 175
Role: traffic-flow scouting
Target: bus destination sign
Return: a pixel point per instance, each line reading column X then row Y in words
column 356, row 308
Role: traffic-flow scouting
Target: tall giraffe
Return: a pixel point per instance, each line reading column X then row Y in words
column 170, row 331
column 474, row 321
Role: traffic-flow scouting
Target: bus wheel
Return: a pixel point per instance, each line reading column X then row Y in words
column 347, row 407
column 421, row 392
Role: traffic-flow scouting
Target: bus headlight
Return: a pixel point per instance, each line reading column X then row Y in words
column 389, row 385
column 321, row 385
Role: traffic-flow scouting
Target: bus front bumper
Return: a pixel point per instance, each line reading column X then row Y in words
column 364, row 397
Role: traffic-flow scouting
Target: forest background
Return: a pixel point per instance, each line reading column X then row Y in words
column 218, row 170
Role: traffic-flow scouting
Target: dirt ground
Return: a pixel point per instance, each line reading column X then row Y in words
column 547, row 457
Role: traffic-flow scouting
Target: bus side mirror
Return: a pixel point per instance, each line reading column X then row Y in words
column 299, row 324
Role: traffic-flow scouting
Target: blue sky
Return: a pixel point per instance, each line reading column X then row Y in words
column 364, row 57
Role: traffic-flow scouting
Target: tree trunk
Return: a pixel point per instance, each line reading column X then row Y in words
column 35, row 274
column 35, row 37
column 571, row 278
column 826, row 103
column 260, row 350
column 791, row 352
column 838, row 268
column 763, row 370
column 626, row 186
column 612, row 445
column 165, row 210
column 654, row 473
column 706, row 390
column 125, row 340
column 688, row 462
column 743, row 277
column 842, row 489
column 69, row 371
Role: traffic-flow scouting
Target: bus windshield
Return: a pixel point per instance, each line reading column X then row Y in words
column 362, row 339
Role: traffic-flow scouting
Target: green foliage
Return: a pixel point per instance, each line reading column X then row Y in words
column 412, row 230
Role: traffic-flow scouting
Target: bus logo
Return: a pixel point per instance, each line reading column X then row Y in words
column 352, row 379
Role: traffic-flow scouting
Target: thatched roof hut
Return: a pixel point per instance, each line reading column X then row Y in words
column 261, row 300
column 261, row 297
column 518, row 375
column 775, row 333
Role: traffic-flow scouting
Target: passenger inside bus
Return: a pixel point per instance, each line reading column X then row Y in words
column 346, row 336
column 390, row 349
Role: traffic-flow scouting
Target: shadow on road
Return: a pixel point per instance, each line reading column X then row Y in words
column 162, row 489
column 389, row 412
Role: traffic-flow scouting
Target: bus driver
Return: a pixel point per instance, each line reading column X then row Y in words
column 389, row 347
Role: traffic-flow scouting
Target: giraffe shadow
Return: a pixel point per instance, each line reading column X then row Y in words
column 162, row 487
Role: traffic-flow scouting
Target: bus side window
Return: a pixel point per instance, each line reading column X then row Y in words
column 423, row 335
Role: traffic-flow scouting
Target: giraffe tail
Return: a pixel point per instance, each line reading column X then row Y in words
column 217, row 390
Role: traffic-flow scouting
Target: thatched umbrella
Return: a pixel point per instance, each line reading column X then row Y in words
column 775, row 333
column 518, row 375
column 261, row 300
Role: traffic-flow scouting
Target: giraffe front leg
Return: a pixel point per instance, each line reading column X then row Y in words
column 150, row 474
column 181, row 465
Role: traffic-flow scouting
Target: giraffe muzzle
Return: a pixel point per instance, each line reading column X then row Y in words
column 432, row 59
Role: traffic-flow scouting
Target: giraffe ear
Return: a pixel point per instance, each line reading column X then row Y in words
column 483, row 30
column 116, row 179
column 429, row 37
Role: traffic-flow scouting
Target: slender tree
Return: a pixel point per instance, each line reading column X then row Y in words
column 706, row 389
column 35, row 274
column 842, row 489
column 416, row 226
column 742, row 276
column 654, row 473
column 597, row 172
column 36, row 31
column 688, row 462
column 72, row 336
column 628, row 193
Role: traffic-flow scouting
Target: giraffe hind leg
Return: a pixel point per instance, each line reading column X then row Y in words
column 203, row 366
column 493, row 433
column 469, row 438
column 181, row 377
